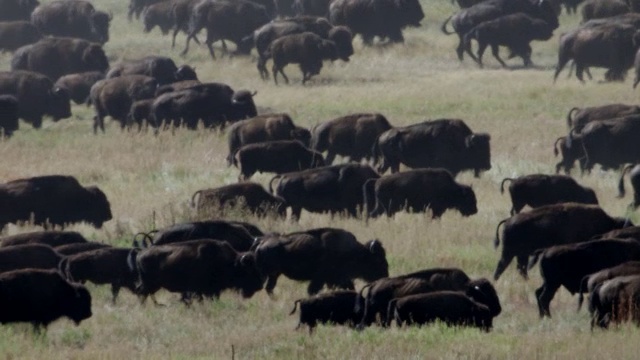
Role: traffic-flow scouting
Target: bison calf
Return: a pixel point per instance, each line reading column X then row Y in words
column 79, row 84
column 333, row 307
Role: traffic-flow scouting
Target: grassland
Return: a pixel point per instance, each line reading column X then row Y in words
column 149, row 181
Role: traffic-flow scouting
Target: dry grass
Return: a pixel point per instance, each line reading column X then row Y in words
column 149, row 181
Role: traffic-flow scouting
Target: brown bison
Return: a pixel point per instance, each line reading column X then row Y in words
column 79, row 85
column 323, row 256
column 248, row 196
column 549, row 225
column 334, row 189
column 40, row 297
column 417, row 190
column 161, row 68
column 443, row 143
column 350, row 136
column 28, row 256
column 600, row 9
column 589, row 282
column 578, row 118
column 568, row 153
column 236, row 234
column 53, row 199
column 14, row 10
column 72, row 249
column 268, row 127
column 160, row 15
column 615, row 300
column 538, row 190
column 610, row 143
column 15, row 34
column 72, row 18
column 51, row 238
column 334, row 307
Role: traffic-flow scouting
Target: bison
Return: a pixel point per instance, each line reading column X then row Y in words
column 589, row 282
column 52, row 199
column 72, row 249
column 9, row 114
column 578, row 118
column 350, row 136
column 28, row 256
column 15, row 10
column 442, row 143
column 417, row 190
column 278, row 157
column 538, row 190
column 334, row 307
column 51, row 238
column 159, row 14
column 248, row 196
column 72, row 18
column 79, row 85
column 161, row 68
column 334, row 189
column 40, row 297
column 549, row 225
column 599, row 9
column 323, row 256
column 615, row 300
column 569, row 153
column 15, row 34
column 235, row 234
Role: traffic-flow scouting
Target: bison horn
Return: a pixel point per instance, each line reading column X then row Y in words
column 254, row 93
column 374, row 244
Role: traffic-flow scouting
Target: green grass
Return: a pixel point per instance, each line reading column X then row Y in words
column 149, row 182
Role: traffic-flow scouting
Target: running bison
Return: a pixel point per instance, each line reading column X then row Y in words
column 72, row 18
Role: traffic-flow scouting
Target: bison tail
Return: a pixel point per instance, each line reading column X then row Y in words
column 555, row 146
column 570, row 117
column 391, row 312
column 131, row 260
column 369, row 197
column 443, row 28
column 533, row 259
column 496, row 241
column 583, row 288
column 277, row 177
column 63, row 265
column 357, row 305
column 193, row 198
column 295, row 306
column 621, row 190
column 502, row 184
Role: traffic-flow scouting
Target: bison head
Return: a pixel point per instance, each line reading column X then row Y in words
column 94, row 58
column 186, row 72
column 478, row 152
column 410, row 12
column 248, row 278
column 482, row 291
column 541, row 30
column 343, row 38
column 242, row 106
column 301, row 134
column 100, row 26
column 547, row 13
column 375, row 266
column 59, row 105
column 329, row 51
column 467, row 204
column 100, row 210
column 78, row 305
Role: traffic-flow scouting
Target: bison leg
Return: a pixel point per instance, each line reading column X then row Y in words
column 115, row 290
column 502, row 266
column 262, row 68
column 522, row 262
column 579, row 72
column 295, row 213
column 330, row 157
column 460, row 48
column 173, row 37
column 562, row 61
column 495, row 51
column 544, row 295
column 482, row 47
column 272, row 280
column 315, row 286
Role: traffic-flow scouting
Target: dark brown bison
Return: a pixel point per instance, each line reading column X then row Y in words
column 15, row 34
column 629, row 232
column 36, row 96
column 56, row 57
column 51, row 238
column 40, row 297
column 568, row 153
column 589, row 282
column 335, row 307
column 114, row 97
column 417, row 191
column 267, row 127
column 599, row 9
column 72, row 249
column 73, row 18
column 235, row 234
column 578, row 118
column 634, row 177
column 278, row 157
column 9, row 115
column 323, row 256
column 79, row 85
column 14, row 10
column 161, row 68
column 140, row 113
column 382, row 291
column 306, row 49
column 350, row 136
column 370, row 18
column 247, row 196
column 538, row 190
column 181, row 14
column 443, row 143
column 202, row 267
column 550, row 225
column 615, row 300
column 28, row 256
column 451, row 307
column 515, row 31
column 176, row 86
column 566, row 265
column 160, row 15
column 136, row 7
column 101, row 266
column 53, row 199
column 334, row 189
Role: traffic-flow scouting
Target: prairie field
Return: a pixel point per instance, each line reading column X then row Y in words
column 149, row 181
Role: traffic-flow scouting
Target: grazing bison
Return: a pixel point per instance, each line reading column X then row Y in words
column 51, row 238
column 56, row 57
column 79, row 85
column 306, row 49
column 334, row 307
column 578, row 118
column 451, row 307
column 591, row 281
column 549, row 225
column 600, row 9
column 114, row 97
column 101, row 266
column 36, row 96
column 370, row 18
column 72, row 18
column 382, row 291
column 235, row 234
column 161, row 68
column 334, row 189
column 515, row 31
column 569, row 153
column 52, row 199
column 16, row 34
column 278, row 157
column 538, row 190
column 611, row 143
column 615, row 300
column 15, row 10
column 262, row 128
column 443, row 143
column 28, row 256
column 159, row 14
column 202, row 267
column 251, row 197
column 9, row 114
column 634, row 177
column 352, row 135
column 40, row 297
column 214, row 103
column 72, row 249
column 566, row 265
column 417, row 190
column 324, row 256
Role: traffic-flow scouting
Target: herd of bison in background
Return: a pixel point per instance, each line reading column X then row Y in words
column 58, row 57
